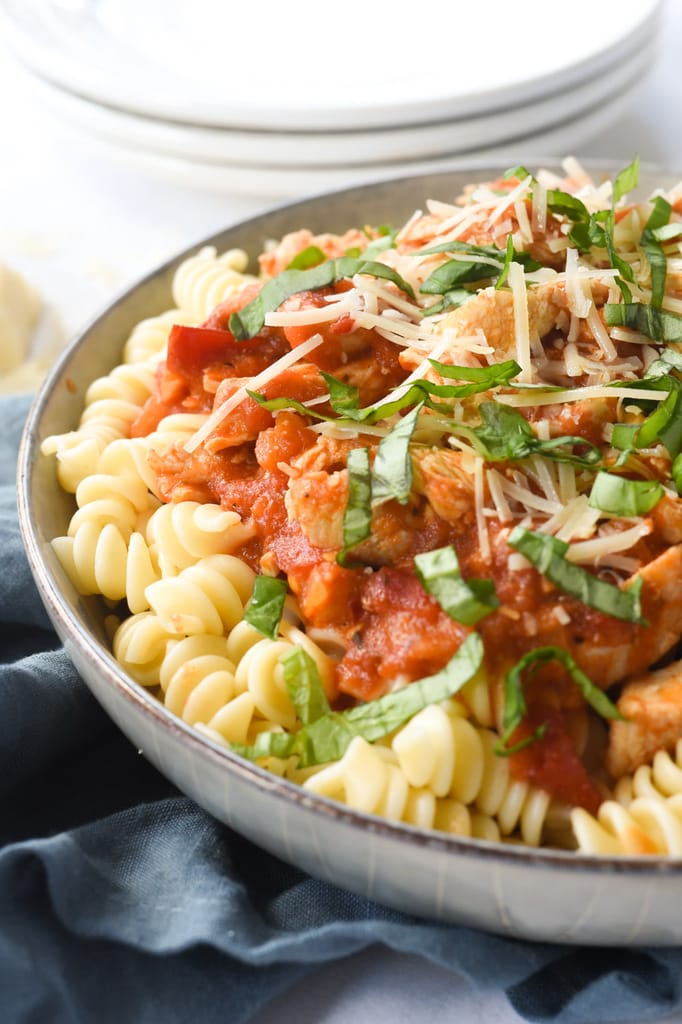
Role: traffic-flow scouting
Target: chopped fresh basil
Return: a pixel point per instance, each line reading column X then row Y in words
column 451, row 300
column 658, row 324
column 386, row 240
column 304, row 686
column 344, row 398
column 457, row 272
column 596, row 229
column 483, row 377
column 667, row 232
column 626, row 180
column 264, row 610
column 508, row 260
column 515, row 702
column 247, row 322
column 357, row 517
column 465, row 601
column 623, row 436
column 312, row 256
column 567, row 205
column 505, row 435
column 392, row 469
column 653, row 250
column 547, row 554
column 669, row 359
column 519, row 172
column 664, row 424
column 620, row 496
column 327, row 738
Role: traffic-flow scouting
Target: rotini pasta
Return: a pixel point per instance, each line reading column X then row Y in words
column 378, row 519
column 207, row 279
column 368, row 778
column 112, row 403
column 443, row 751
column 646, row 826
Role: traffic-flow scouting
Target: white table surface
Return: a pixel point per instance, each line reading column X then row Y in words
column 81, row 224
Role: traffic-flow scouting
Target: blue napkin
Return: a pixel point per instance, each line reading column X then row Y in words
column 121, row 900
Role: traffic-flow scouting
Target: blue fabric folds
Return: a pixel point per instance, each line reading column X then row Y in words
column 120, row 900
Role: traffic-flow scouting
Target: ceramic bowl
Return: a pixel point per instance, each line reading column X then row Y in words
column 541, row 894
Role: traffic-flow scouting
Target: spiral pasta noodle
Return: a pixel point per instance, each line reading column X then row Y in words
column 646, row 826
column 445, row 752
column 206, row 279
column 645, row 815
column 112, row 403
column 148, row 339
column 369, row 778
column 182, row 533
column 659, row 780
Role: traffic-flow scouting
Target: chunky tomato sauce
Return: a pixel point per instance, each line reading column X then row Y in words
column 392, row 630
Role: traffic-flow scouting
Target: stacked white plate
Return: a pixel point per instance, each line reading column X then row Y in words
column 279, row 99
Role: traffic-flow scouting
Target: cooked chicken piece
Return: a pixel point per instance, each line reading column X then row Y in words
column 441, row 475
column 661, row 600
column 652, row 707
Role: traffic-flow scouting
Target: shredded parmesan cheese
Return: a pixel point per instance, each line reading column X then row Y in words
column 517, row 283
column 506, row 201
column 587, row 551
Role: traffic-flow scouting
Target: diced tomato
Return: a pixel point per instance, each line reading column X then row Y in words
column 192, row 349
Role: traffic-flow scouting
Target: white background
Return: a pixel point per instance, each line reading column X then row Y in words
column 81, row 224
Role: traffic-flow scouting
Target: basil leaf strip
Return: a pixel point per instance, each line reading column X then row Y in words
column 508, row 260
column 386, row 240
column 669, row 359
column 304, row 686
column 623, row 497
column 311, row 256
column 653, row 250
column 327, row 738
column 343, row 397
column 626, row 180
column 667, row 232
column 249, row 321
column 264, row 610
column 484, row 377
column 357, row 517
column 515, row 702
column 464, row 601
column 656, row 323
column 519, row 172
column 392, row 469
column 547, row 553
column 664, row 424
column 568, row 206
column 457, row 272
column 451, row 300
column 504, row 434
column 623, row 437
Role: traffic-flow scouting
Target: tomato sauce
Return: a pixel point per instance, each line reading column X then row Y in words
column 393, row 631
